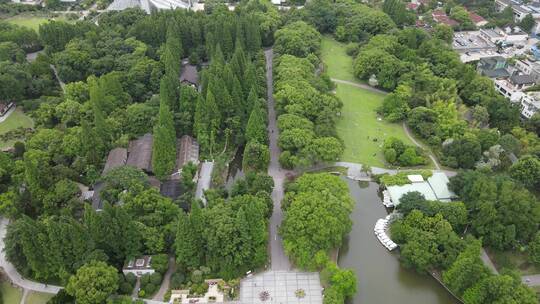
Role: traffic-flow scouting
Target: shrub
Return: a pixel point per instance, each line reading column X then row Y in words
column 197, row 276
column 145, row 279
column 150, row 289
column 352, row 49
column 177, row 279
column 390, row 155
column 126, row 288
column 155, row 278
column 131, row 278
column 160, row 263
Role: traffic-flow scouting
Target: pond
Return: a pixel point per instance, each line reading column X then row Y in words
column 381, row 279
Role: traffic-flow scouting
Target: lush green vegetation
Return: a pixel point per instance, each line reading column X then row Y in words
column 32, row 22
column 400, row 178
column 317, row 211
column 429, row 242
column 338, row 63
column 16, row 120
column 114, row 73
column 429, row 90
column 514, row 259
column 359, row 127
column 306, row 108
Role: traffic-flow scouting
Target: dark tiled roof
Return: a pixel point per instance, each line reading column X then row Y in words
column 497, row 73
column 188, row 151
column 476, row 18
column 171, row 189
column 116, row 158
column 190, row 74
column 522, row 79
column 140, row 153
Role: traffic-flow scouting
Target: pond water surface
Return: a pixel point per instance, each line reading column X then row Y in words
column 381, row 279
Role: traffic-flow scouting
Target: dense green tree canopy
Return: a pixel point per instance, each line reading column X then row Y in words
column 93, row 283
column 316, row 216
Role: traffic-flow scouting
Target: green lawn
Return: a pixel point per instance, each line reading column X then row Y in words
column 32, row 22
column 339, row 64
column 10, row 294
column 38, row 298
column 359, row 126
column 15, row 120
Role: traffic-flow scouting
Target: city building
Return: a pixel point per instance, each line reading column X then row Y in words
column 529, row 104
column 29, row 2
column 472, row 41
column 520, row 10
column 139, row 266
column 478, row 20
column 493, row 67
column 149, row 5
column 513, row 86
column 440, row 16
column 529, row 68
column 507, row 36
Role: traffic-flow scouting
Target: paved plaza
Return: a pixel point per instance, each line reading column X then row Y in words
column 279, row 287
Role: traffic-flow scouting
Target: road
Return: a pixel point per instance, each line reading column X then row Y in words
column 277, row 253
column 12, row 273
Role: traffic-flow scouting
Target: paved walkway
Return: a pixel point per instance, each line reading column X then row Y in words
column 166, row 281
column 529, row 280
column 431, row 156
column 12, row 273
column 62, row 84
column 359, row 85
column 279, row 260
column 280, row 287
column 203, row 182
column 487, row 261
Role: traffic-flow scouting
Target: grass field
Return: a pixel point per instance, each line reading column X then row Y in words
column 37, row 298
column 10, row 294
column 15, row 120
column 359, row 126
column 339, row 64
column 32, row 22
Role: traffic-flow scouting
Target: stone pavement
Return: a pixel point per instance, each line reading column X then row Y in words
column 281, row 287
